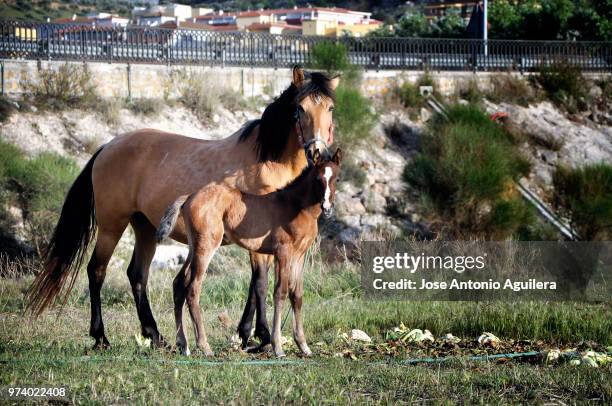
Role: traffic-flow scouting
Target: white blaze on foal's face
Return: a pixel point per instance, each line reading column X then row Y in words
column 327, row 176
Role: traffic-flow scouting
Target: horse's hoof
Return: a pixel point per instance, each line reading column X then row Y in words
column 101, row 344
column 183, row 350
column 280, row 354
column 259, row 348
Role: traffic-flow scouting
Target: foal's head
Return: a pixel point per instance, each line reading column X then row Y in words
column 326, row 174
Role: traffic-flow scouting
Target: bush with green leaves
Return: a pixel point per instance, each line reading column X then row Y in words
column 330, row 56
column 69, row 85
column 38, row 187
column 584, row 195
column 409, row 93
column 510, row 89
column 564, row 84
column 466, row 169
column 354, row 115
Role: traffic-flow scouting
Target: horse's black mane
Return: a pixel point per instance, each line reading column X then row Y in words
column 276, row 121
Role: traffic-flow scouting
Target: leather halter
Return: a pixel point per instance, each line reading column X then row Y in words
column 307, row 144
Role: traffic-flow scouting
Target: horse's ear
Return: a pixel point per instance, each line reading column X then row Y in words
column 337, row 158
column 334, row 82
column 298, row 75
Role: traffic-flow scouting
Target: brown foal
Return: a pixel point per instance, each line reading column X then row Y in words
column 282, row 223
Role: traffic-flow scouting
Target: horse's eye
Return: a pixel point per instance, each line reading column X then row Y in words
column 331, row 108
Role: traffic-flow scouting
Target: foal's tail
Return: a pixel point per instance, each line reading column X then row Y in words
column 73, row 233
column 168, row 221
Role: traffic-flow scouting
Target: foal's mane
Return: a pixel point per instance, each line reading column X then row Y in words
column 278, row 118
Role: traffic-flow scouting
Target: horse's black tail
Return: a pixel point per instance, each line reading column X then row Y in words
column 168, row 221
column 73, row 233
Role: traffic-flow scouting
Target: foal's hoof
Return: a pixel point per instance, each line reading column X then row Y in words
column 206, row 351
column 280, row 354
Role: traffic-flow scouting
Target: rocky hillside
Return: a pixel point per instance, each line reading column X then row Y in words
column 372, row 198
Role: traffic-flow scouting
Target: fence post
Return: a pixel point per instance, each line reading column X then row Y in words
column 2, row 77
column 129, row 81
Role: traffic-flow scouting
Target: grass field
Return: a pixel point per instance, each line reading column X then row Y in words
column 55, row 349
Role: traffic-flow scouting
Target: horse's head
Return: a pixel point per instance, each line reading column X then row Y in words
column 327, row 171
column 314, row 110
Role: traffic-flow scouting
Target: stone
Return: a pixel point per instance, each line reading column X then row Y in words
column 374, row 220
column 169, row 256
column 349, row 235
column 346, row 206
column 374, row 202
column 425, row 114
column 595, row 92
column 548, row 156
column 353, row 221
column 359, row 335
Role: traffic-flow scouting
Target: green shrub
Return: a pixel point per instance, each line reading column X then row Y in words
column 330, row 56
column 6, row 109
column 145, row 106
column 200, row 96
column 110, row 110
column 352, row 172
column 466, row 169
column 584, row 195
column 471, row 92
column 564, row 85
column 67, row 86
column 354, row 115
column 409, row 93
column 510, row 89
column 38, row 187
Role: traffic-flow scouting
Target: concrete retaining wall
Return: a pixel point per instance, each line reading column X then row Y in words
column 161, row 81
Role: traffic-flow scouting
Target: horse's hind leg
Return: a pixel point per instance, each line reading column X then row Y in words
column 96, row 272
column 258, row 291
column 138, row 273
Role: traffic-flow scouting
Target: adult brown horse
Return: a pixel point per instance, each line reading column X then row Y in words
column 133, row 178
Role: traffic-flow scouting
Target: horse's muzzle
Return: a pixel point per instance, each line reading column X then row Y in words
column 328, row 212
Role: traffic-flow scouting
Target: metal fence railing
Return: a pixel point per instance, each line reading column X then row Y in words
column 22, row 40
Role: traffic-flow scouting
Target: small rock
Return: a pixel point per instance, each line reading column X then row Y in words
column 595, row 92
column 349, row 235
column 374, row 220
column 548, row 156
column 425, row 114
column 348, row 205
column 374, row 202
column 488, row 339
column 359, row 335
column 351, row 221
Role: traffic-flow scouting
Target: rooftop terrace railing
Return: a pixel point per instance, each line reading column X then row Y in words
column 22, row 40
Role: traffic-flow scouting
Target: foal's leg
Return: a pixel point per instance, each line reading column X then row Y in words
column 295, row 295
column 281, row 287
column 181, row 281
column 138, row 273
column 96, row 272
column 258, row 290
column 203, row 253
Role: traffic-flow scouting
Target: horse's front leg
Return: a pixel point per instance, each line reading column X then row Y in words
column 180, row 284
column 281, row 288
column 258, row 290
column 295, row 295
